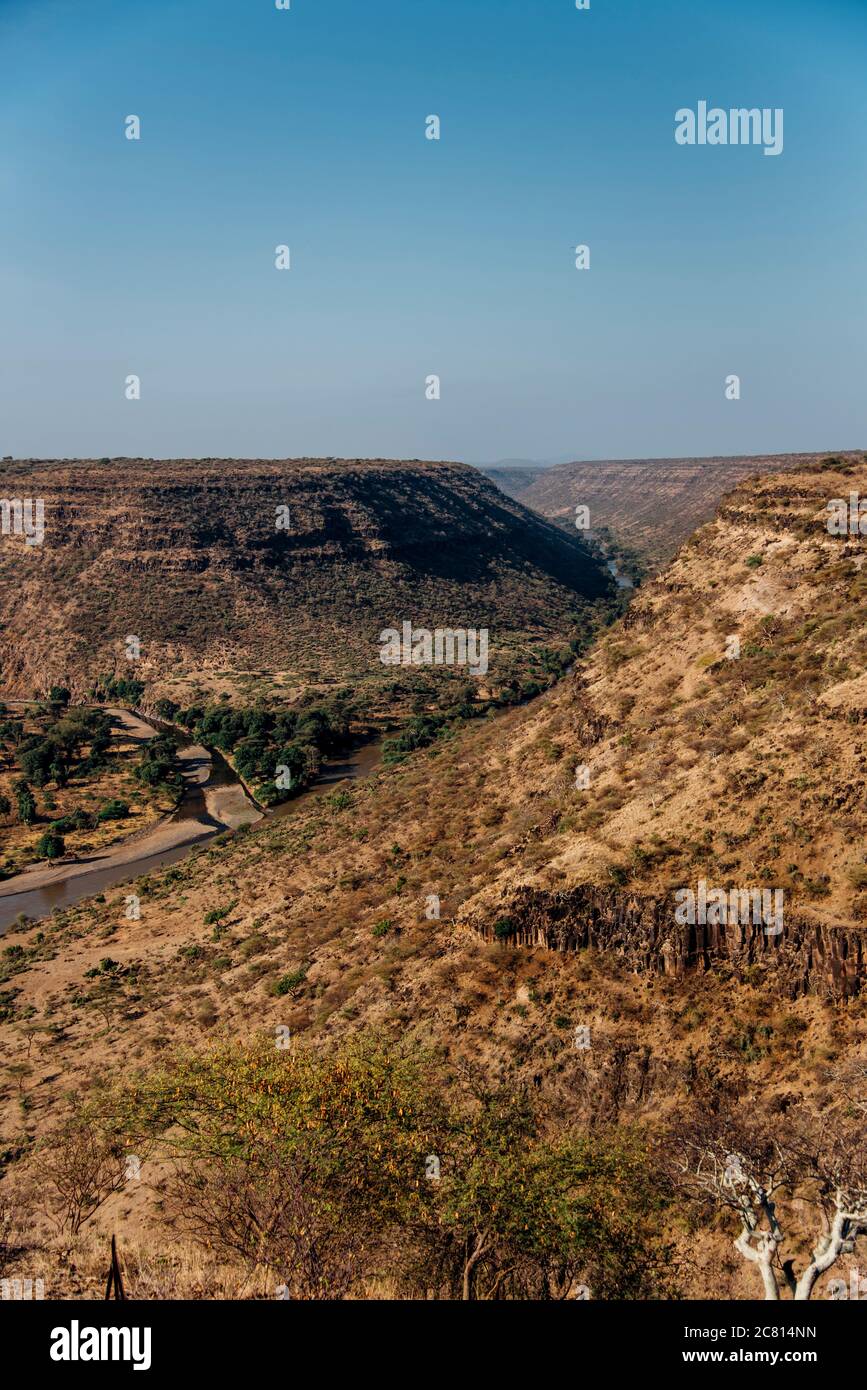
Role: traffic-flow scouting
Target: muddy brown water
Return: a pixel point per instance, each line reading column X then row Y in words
column 36, row 903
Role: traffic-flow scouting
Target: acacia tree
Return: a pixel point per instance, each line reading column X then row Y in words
column 741, row 1161
column 298, row 1163
column 332, row 1168
column 527, row 1209
column 269, row 1211
column 78, row 1167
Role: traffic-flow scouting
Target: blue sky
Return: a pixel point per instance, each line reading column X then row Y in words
column 412, row 257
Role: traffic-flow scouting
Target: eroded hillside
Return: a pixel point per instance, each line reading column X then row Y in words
column 721, row 723
column 476, row 900
column 513, row 479
column 645, row 508
column 244, row 575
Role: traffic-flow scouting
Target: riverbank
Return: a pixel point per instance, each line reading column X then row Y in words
column 211, row 802
column 91, row 797
column 228, row 802
column 214, row 800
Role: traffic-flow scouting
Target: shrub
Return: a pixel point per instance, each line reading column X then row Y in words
column 326, row 1166
column 287, row 983
column 50, row 845
column 219, row 914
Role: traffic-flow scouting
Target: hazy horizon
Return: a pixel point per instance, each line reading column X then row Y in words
column 504, row 463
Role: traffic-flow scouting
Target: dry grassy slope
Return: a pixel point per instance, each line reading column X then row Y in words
column 762, row 756
column 744, row 772
column 185, row 555
column 335, row 897
column 650, row 506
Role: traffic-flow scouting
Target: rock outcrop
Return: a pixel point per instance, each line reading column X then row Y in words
column 805, row 957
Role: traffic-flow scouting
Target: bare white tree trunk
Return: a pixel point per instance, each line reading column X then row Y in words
column 761, row 1255
column 829, row 1249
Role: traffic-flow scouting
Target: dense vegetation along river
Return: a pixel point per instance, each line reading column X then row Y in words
column 622, row 580
column 214, row 800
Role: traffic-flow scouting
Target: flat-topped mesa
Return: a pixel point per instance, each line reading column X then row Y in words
column 646, row 508
column 291, row 565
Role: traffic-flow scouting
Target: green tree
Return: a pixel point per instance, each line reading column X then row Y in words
column 50, row 845
column 36, row 762
column 26, row 803
column 327, row 1165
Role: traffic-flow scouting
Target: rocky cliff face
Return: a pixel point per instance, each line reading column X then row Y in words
column 805, row 957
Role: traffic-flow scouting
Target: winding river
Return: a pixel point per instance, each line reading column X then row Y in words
column 621, row 580
column 214, row 800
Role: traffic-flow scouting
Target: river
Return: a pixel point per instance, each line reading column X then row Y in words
column 214, row 800
column 622, row 580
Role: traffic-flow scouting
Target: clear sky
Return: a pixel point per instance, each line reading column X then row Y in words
column 412, row 257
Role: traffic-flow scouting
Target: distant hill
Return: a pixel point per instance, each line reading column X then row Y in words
column 188, row 556
column 514, row 479
column 649, row 506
